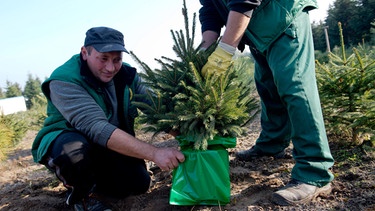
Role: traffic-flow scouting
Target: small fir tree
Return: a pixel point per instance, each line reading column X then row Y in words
column 347, row 87
column 32, row 90
column 182, row 100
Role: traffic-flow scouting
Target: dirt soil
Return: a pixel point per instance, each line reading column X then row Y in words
column 25, row 185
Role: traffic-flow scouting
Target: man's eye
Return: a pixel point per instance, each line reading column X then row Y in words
column 117, row 60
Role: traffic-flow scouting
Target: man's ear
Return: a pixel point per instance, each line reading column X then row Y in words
column 84, row 53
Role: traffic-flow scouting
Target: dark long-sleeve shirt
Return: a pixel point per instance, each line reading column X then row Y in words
column 213, row 15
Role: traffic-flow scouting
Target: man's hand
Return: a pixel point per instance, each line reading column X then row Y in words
column 168, row 158
column 219, row 61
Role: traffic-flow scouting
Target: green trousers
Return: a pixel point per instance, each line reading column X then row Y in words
column 286, row 83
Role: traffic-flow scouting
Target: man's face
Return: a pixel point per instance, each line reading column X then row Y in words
column 104, row 66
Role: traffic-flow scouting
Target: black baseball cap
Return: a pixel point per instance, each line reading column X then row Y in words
column 105, row 39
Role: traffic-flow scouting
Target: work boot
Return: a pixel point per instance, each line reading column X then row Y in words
column 297, row 192
column 74, row 195
column 90, row 204
column 252, row 153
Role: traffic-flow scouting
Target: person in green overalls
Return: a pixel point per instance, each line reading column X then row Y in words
column 278, row 33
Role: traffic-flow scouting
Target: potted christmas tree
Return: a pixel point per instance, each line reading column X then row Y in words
column 208, row 113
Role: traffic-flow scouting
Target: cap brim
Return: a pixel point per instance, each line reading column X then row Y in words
column 103, row 48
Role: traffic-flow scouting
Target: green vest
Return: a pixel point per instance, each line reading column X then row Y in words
column 270, row 19
column 72, row 72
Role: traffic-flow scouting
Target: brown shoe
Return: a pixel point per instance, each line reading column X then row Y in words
column 297, row 192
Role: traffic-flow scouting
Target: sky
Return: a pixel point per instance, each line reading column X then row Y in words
column 37, row 36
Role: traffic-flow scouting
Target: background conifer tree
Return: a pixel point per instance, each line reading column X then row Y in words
column 347, row 87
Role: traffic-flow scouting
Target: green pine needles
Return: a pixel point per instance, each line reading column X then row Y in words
column 347, row 91
column 182, row 100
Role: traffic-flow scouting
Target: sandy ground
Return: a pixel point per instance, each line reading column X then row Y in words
column 25, row 185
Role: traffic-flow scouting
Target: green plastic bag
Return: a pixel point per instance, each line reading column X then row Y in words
column 218, row 141
column 203, row 178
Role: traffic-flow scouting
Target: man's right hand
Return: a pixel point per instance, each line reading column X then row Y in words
column 168, row 158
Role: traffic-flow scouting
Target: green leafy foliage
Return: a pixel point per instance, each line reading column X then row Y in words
column 2, row 93
column 6, row 136
column 13, row 90
column 356, row 17
column 347, row 87
column 199, row 108
column 13, row 127
column 18, row 123
column 37, row 114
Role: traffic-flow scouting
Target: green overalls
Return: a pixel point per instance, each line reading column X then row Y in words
column 285, row 80
column 281, row 43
